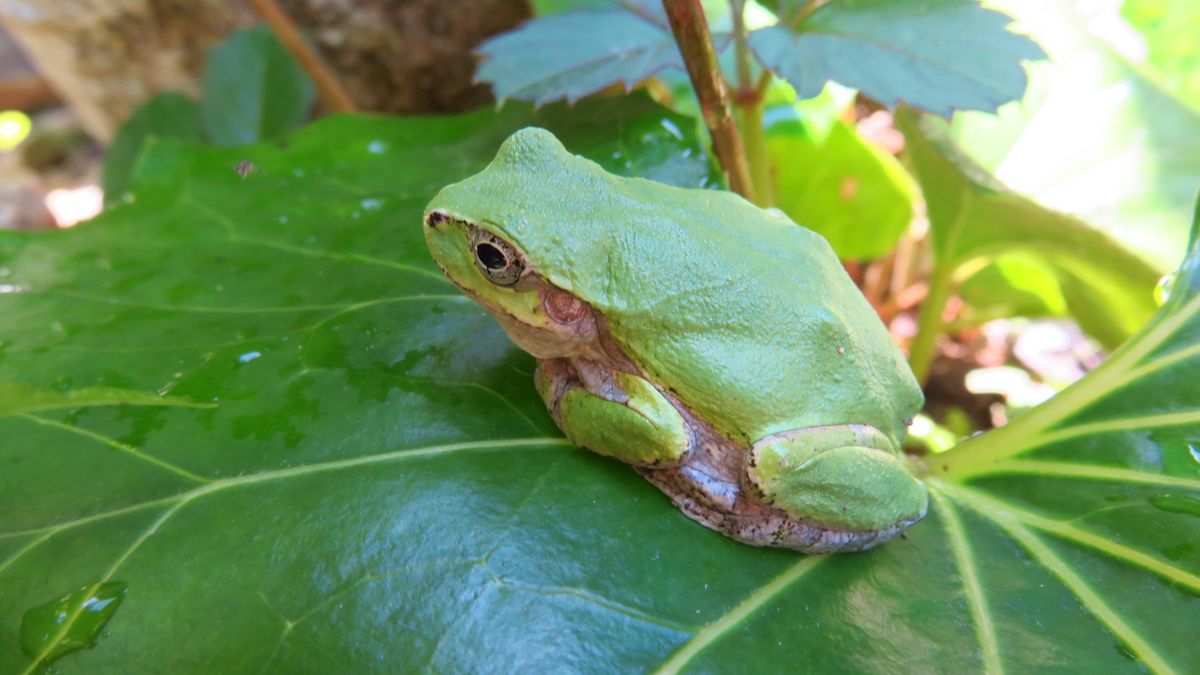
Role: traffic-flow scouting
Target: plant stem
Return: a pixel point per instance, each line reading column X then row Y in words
column 695, row 44
column 749, row 102
column 751, row 115
column 741, row 51
column 333, row 97
column 803, row 13
column 930, row 320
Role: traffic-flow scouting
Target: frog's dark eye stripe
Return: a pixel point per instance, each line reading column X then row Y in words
column 496, row 259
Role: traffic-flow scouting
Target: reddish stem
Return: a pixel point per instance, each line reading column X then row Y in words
column 329, row 90
column 695, row 44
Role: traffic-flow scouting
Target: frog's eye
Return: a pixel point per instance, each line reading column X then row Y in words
column 497, row 259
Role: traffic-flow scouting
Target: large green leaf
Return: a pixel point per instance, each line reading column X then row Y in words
column 938, row 55
column 974, row 219
column 373, row 485
column 1094, row 137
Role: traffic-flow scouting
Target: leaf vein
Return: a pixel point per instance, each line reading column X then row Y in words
column 985, row 630
column 710, row 633
column 999, row 509
column 128, row 450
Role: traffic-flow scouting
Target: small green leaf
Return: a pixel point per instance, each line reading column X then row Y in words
column 165, row 115
column 70, row 623
column 253, row 89
column 940, row 55
column 573, row 54
column 972, row 216
column 852, row 192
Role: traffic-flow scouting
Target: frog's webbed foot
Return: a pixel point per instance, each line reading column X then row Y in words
column 847, row 478
column 626, row 418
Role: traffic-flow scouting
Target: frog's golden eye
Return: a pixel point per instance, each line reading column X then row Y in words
column 496, row 259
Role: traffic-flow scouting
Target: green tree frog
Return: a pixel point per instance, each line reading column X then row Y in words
column 719, row 348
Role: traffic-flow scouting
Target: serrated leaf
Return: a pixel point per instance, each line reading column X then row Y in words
column 573, row 54
column 380, row 489
column 1094, row 136
column 852, row 192
column 972, row 215
column 253, row 89
column 165, row 115
column 940, row 55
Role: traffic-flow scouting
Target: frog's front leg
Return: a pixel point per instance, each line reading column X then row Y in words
column 613, row 413
column 846, row 477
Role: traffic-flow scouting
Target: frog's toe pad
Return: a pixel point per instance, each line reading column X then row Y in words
column 847, row 488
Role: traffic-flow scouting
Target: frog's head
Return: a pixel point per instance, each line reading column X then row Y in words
column 476, row 229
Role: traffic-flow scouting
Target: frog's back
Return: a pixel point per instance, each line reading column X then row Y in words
column 747, row 317
column 759, row 325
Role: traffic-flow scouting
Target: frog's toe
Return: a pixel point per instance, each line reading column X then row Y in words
column 851, row 488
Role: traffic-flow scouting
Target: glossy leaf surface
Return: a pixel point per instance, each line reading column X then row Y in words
column 939, row 55
column 374, row 486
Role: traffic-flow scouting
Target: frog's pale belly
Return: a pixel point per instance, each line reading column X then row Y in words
column 709, row 484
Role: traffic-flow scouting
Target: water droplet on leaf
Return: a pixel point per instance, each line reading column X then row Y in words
column 671, row 127
column 71, row 622
column 1162, row 290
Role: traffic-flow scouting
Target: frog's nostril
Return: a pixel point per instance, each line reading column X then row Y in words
column 436, row 218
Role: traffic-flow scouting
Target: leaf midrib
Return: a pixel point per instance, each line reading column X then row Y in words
column 306, row 469
column 177, row 502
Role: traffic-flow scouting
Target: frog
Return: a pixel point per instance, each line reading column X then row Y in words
column 719, row 348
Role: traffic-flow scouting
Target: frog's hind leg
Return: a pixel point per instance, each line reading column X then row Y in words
column 633, row 422
column 845, row 477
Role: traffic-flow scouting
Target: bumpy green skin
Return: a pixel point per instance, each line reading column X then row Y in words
column 746, row 318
